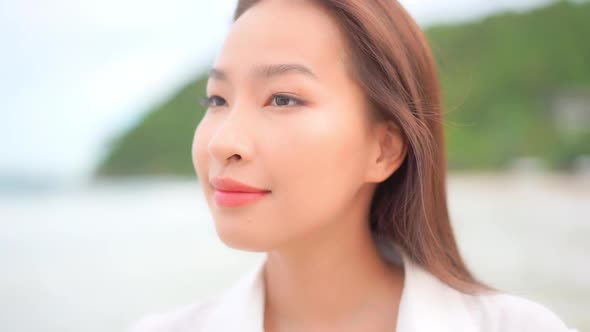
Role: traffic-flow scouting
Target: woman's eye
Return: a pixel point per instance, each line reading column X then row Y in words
column 279, row 100
column 283, row 100
column 213, row 101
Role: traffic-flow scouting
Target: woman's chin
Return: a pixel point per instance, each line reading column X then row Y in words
column 244, row 240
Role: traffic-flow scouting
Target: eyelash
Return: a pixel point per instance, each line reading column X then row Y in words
column 208, row 100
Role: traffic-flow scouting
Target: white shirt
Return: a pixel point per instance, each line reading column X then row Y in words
column 426, row 305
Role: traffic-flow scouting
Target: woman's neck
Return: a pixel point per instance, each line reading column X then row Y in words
column 332, row 279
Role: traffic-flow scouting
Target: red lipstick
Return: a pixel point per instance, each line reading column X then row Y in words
column 229, row 192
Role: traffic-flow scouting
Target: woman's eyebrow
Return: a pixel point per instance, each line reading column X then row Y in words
column 267, row 71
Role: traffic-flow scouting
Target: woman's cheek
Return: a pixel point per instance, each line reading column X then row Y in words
column 303, row 159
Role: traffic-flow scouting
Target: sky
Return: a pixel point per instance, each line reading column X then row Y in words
column 77, row 73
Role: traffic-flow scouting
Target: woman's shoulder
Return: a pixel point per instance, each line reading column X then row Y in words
column 238, row 307
column 485, row 311
column 183, row 318
column 502, row 311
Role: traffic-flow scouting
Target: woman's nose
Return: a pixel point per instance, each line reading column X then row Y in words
column 231, row 139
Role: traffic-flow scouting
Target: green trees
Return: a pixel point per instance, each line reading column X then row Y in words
column 510, row 82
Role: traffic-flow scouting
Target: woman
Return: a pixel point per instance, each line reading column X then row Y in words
column 323, row 146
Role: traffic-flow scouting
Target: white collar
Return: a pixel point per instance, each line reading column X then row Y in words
column 427, row 304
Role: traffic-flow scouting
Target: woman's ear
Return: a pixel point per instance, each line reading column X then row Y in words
column 388, row 153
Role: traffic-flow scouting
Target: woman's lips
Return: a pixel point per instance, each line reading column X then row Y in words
column 230, row 192
column 236, row 198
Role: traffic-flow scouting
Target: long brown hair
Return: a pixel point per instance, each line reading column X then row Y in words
column 392, row 62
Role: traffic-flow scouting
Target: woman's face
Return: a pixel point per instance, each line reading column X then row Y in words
column 300, row 131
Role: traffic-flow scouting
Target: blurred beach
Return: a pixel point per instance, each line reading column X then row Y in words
column 96, row 258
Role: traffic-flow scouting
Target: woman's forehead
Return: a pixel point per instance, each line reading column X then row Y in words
column 297, row 34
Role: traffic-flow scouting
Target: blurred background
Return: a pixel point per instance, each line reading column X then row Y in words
column 101, row 214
